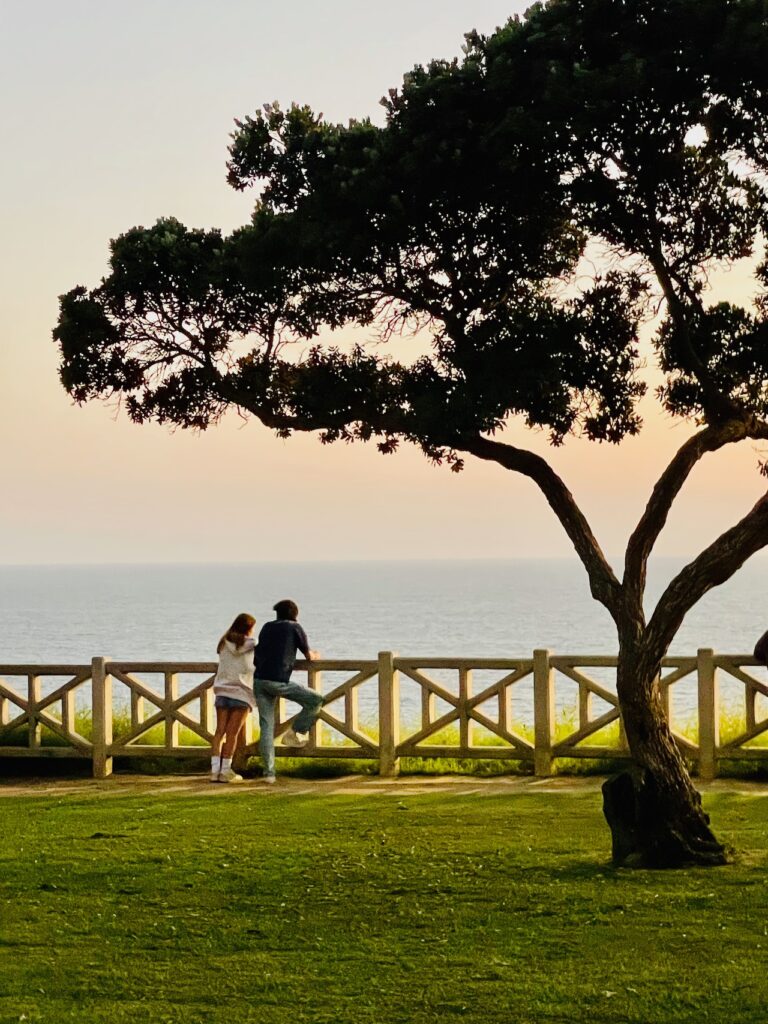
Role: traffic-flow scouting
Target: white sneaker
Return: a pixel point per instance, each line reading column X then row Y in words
column 269, row 779
column 229, row 776
column 291, row 738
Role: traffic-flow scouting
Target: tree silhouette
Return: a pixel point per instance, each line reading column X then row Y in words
column 631, row 131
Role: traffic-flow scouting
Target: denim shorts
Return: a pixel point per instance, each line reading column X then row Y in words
column 230, row 704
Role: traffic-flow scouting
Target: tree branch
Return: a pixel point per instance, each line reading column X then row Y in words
column 724, row 407
column 666, row 490
column 270, row 418
column 603, row 583
column 714, row 566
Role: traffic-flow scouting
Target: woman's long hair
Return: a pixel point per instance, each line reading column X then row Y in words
column 236, row 632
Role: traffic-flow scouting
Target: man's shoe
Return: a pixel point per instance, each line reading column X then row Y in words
column 269, row 779
column 230, row 776
column 291, row 738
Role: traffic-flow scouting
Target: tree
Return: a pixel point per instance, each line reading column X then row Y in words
column 631, row 129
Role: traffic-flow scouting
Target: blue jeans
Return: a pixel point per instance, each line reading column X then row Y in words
column 266, row 692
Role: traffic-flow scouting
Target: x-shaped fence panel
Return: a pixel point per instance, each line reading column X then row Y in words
column 490, row 708
column 26, row 715
column 674, row 670
column 572, row 744
column 738, row 747
column 343, row 726
column 168, row 708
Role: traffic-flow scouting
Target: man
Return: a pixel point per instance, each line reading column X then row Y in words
column 275, row 659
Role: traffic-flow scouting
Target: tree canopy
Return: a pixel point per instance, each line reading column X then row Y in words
column 468, row 213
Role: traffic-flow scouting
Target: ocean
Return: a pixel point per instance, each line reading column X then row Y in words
column 500, row 608
column 349, row 609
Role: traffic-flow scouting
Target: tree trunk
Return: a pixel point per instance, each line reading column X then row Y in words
column 654, row 811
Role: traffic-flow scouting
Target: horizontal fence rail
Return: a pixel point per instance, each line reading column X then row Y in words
column 538, row 710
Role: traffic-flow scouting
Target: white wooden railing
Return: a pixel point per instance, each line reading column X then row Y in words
column 469, row 708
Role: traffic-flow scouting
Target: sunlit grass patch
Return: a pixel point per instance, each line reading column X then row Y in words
column 251, row 905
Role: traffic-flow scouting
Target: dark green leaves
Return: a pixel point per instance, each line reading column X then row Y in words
column 638, row 125
column 93, row 363
column 733, row 345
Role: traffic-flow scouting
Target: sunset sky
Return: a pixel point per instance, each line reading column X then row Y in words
column 115, row 114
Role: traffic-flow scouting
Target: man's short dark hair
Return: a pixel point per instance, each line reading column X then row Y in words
column 286, row 610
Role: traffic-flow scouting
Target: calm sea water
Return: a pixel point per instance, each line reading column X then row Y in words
column 473, row 608
column 350, row 610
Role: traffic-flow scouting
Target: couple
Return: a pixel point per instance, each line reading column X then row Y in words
column 257, row 673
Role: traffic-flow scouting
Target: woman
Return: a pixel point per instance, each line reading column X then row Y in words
column 233, row 690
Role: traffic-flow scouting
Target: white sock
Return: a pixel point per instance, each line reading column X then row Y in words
column 215, row 764
column 226, row 764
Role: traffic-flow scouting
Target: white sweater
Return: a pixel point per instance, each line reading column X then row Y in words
column 234, row 677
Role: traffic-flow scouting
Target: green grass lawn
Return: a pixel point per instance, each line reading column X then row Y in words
column 268, row 907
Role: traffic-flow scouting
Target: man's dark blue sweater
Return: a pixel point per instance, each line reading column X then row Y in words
column 276, row 650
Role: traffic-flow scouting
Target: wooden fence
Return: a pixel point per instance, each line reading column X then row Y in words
column 464, row 708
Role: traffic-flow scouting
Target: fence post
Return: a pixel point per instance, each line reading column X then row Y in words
column 389, row 715
column 543, row 713
column 709, row 714
column 34, row 693
column 101, row 700
column 465, row 722
column 314, row 682
column 171, row 723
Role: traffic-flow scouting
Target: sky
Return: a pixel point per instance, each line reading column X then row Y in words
column 115, row 114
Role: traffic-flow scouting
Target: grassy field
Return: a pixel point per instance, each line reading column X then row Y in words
column 250, row 906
